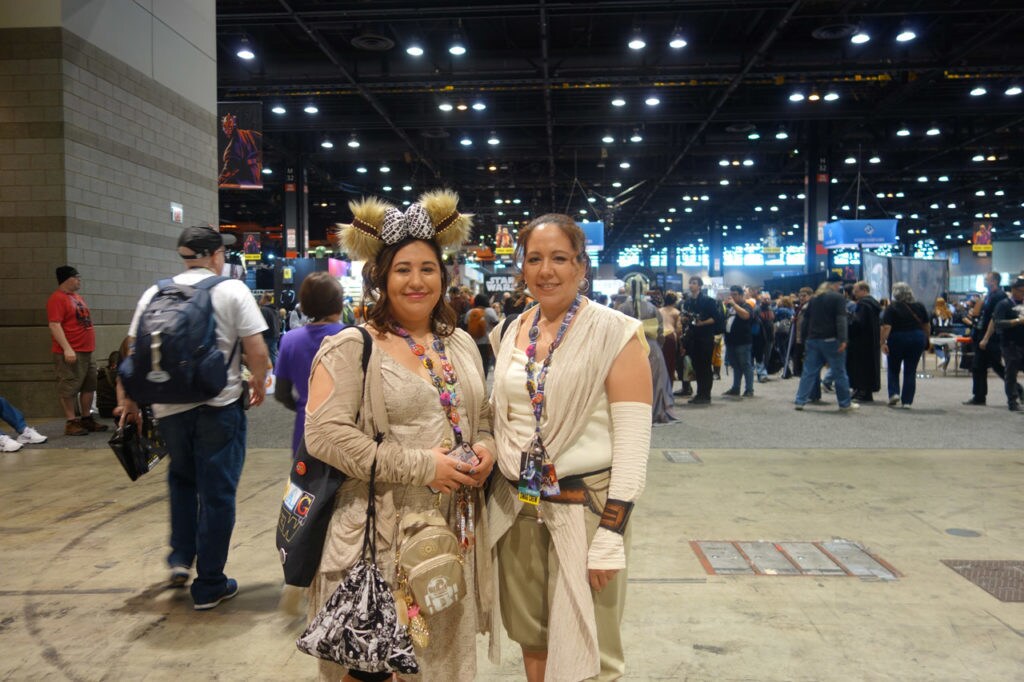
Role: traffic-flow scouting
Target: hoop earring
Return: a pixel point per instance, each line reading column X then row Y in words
column 583, row 285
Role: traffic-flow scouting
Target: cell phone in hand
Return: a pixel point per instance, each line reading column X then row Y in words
column 463, row 453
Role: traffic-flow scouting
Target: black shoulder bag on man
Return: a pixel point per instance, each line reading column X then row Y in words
column 307, row 505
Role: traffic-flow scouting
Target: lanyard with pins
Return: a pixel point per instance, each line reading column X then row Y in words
column 537, row 476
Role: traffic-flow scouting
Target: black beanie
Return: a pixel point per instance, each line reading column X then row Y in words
column 65, row 272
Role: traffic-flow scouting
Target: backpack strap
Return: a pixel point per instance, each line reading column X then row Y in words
column 210, row 282
column 504, row 325
column 367, row 350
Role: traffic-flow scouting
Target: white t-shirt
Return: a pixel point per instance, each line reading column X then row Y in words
column 235, row 315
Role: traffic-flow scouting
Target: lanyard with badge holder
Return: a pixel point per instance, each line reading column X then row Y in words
column 537, row 477
column 449, row 399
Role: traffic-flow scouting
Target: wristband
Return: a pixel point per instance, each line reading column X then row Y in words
column 616, row 515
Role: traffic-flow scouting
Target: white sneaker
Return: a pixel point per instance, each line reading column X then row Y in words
column 8, row 444
column 31, row 436
column 850, row 407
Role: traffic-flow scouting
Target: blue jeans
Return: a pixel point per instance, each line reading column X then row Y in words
column 742, row 366
column 905, row 349
column 12, row 415
column 207, row 446
column 817, row 353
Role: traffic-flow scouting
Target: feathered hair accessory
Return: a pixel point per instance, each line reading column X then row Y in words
column 376, row 224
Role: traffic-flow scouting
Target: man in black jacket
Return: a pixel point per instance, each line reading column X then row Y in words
column 1008, row 321
column 825, row 324
column 864, row 356
column 987, row 355
column 701, row 315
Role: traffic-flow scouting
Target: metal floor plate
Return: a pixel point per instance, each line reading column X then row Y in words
column 832, row 558
column 682, row 457
column 1004, row 580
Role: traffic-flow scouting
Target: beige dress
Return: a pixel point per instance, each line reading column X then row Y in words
column 406, row 409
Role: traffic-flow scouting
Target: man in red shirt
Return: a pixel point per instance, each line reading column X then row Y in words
column 74, row 340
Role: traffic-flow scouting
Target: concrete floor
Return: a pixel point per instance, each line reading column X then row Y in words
column 82, row 597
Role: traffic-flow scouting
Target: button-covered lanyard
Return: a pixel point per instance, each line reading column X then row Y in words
column 537, row 477
column 448, row 397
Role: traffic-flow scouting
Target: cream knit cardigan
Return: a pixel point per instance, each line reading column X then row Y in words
column 574, row 386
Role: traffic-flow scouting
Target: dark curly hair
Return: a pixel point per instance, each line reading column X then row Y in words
column 375, row 288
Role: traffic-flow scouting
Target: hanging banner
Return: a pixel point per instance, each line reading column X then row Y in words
column 240, row 145
column 981, row 242
column 496, row 284
column 594, row 232
column 252, row 246
column 852, row 233
column 504, row 245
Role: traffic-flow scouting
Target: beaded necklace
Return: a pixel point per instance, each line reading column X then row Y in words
column 449, row 398
column 537, row 475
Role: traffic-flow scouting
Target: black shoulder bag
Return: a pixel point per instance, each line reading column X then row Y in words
column 307, row 506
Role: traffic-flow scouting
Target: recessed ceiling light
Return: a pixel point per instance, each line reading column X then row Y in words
column 999, row 193
column 860, row 37
column 310, row 109
column 705, row 197
column 978, row 91
column 618, row 102
column 814, row 96
column 616, row 184
column 783, row 196
column 493, row 139
column 899, row 195
column 457, row 46
column 407, row 188
column 278, row 109
column 978, row 157
column 462, row 106
column 758, row 209
column 980, row 193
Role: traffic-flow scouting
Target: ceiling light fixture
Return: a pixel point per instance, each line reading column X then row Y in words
column 906, row 34
column 860, row 37
column 414, row 48
column 831, row 96
column 457, row 46
column 636, row 136
column 311, row 109
column 978, row 91
column 445, row 106
column 933, row 130
column 360, row 169
column 493, row 139
column 677, row 41
column 748, row 162
column 814, row 96
column 353, row 142
column 796, row 97
column 904, row 131
column 466, row 141
column 781, row 134
column 462, row 106
column 278, row 109
column 608, row 139
column 1012, row 91
column 618, row 102
column 753, row 135
column 245, row 50
column 637, row 42
column 943, row 178
column 385, row 169
column 850, row 160
column 479, row 106
column 326, row 143
column 624, row 164
column 267, row 170
column 652, row 101
column 875, row 158
column 407, row 188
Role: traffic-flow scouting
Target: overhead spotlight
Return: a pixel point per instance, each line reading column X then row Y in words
column 723, row 182
column 445, row 106
column 385, row 169
column 906, row 34
column 748, row 162
column 414, row 48
column 904, row 131
column 933, row 130
column 652, row 101
column 457, row 46
column 479, row 106
column 278, row 109
column 831, row 96
column 922, row 178
column 677, row 41
column 462, row 106
column 637, row 42
column 978, row 158
column 814, row 96
column 990, row 157
column 310, row 109
column 1012, row 90
column 796, row 97
column 782, row 134
column 636, row 136
column 353, row 142
column 245, row 50
column 407, row 188
column 999, row 193
column 466, row 141
column 492, row 139
column 723, row 163
column 624, row 164
column 326, row 143
column 753, row 135
column 608, row 139
column 875, row 158
column 978, row 91
column 360, row 169
column 850, row 160
column 267, row 170
column 618, row 102
column 860, row 37
column 943, row 178
column 980, row 193
column 387, row 188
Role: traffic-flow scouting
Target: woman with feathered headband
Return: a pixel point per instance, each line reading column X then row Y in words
column 424, row 391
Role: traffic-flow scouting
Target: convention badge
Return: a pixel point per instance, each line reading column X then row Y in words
column 530, row 465
column 549, row 480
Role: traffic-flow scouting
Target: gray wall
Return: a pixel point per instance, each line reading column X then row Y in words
column 94, row 147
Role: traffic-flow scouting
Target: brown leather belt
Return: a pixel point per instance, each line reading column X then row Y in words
column 572, row 490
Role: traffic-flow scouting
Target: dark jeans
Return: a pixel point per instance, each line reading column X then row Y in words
column 819, row 352
column 1014, row 357
column 742, row 366
column 207, row 446
column 700, row 350
column 905, row 349
column 983, row 359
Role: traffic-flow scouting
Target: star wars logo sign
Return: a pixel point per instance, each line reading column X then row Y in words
column 294, row 509
column 500, row 283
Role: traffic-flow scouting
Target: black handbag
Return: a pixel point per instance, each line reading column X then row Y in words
column 307, row 506
column 358, row 627
column 137, row 450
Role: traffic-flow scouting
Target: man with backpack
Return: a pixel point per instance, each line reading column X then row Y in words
column 480, row 320
column 191, row 374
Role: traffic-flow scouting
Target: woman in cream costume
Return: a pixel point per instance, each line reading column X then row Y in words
column 409, row 322
column 562, row 564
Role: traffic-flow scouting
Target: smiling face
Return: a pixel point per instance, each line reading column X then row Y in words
column 551, row 267
column 414, row 283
